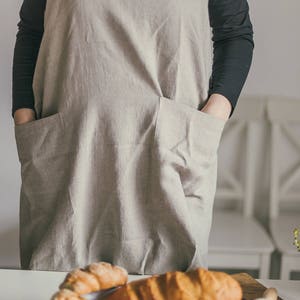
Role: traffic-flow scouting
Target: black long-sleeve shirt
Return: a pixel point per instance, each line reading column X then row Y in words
column 232, row 38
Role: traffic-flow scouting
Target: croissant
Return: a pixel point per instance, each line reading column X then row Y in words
column 94, row 277
column 198, row 284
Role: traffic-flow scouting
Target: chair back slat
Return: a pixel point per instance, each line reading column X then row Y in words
column 283, row 113
column 240, row 187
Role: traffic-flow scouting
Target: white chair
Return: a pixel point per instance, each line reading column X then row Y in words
column 284, row 116
column 237, row 240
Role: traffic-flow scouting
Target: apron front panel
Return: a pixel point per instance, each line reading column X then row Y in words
column 120, row 166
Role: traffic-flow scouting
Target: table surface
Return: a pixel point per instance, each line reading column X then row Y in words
column 41, row 285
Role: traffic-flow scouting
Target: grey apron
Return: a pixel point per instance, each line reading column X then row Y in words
column 120, row 165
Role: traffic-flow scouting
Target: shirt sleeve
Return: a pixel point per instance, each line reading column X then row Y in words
column 233, row 44
column 28, row 40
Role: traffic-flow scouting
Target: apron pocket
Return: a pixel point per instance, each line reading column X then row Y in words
column 178, row 123
column 191, row 136
column 186, row 141
column 36, row 137
column 46, row 167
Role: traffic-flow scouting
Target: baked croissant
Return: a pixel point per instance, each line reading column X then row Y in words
column 94, row 277
column 198, row 284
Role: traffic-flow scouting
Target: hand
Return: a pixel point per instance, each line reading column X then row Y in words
column 219, row 106
column 24, row 115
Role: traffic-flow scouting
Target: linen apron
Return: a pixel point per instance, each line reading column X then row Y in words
column 121, row 164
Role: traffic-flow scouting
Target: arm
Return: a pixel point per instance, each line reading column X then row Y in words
column 233, row 50
column 28, row 39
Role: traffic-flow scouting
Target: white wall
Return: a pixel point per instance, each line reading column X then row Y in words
column 276, row 63
column 9, row 164
column 275, row 70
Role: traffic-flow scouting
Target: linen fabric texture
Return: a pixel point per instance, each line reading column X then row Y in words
column 121, row 165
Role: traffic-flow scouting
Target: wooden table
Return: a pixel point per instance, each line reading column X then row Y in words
column 41, row 285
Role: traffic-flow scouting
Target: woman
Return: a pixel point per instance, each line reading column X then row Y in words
column 119, row 109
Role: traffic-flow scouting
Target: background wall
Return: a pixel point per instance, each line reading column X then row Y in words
column 9, row 164
column 275, row 70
